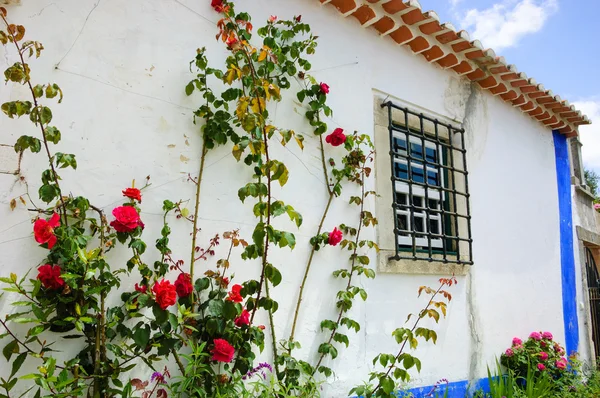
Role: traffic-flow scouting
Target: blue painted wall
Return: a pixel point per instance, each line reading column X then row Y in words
column 567, row 255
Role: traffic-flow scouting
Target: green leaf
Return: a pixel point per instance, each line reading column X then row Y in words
column 45, row 115
column 10, row 349
column 52, row 134
column 27, row 142
column 328, row 324
column 341, row 338
column 141, row 336
column 189, row 89
column 273, row 274
column 387, row 384
column 48, row 192
column 216, row 307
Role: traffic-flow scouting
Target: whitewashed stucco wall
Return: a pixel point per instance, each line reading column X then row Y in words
column 123, row 67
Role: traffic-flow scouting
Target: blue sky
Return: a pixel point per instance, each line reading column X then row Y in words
column 556, row 42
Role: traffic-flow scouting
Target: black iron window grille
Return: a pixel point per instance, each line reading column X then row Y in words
column 430, row 190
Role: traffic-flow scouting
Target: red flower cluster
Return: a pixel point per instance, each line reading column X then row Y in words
column 165, row 294
column 243, row 319
column 336, row 138
column 223, row 351
column 43, row 231
column 133, row 193
column 126, row 220
column 50, row 277
column 324, row 88
column 335, row 237
column 234, row 294
column 217, row 5
column 183, row 285
column 141, row 289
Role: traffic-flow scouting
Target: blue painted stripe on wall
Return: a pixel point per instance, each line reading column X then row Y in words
column 459, row 389
column 567, row 255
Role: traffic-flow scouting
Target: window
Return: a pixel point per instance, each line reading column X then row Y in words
column 430, row 191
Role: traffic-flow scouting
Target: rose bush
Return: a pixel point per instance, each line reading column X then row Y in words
column 199, row 324
column 543, row 353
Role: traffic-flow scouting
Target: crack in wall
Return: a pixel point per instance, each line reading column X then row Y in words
column 79, row 34
column 472, row 311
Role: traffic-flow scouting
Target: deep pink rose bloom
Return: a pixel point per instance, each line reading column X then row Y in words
column 547, row 335
column 509, row 353
column 517, row 341
column 243, row 319
column 43, row 231
column 324, row 88
column 223, row 351
column 543, row 356
column 183, row 285
column 50, row 277
column 335, row 237
column 561, row 364
column 336, row 138
column 541, row 367
column 536, row 336
column 126, row 219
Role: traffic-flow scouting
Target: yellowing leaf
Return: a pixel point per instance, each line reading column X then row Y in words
column 13, row 204
column 258, row 105
column 262, row 55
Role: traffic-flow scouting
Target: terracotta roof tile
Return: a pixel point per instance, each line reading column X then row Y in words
column 406, row 23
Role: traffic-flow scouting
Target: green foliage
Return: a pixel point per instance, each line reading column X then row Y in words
column 591, row 180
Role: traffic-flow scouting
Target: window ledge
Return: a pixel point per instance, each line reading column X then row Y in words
column 584, row 191
column 385, row 265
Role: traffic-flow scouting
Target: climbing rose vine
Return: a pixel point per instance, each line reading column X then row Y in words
column 188, row 309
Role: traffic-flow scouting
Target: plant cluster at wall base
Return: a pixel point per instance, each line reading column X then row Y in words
column 193, row 314
column 537, row 368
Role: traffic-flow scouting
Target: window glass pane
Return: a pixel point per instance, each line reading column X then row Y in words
column 417, row 201
column 431, row 154
column 403, row 222
column 433, row 204
column 401, row 198
column 434, row 227
column 399, row 145
column 432, row 177
column 419, row 225
column 401, row 171
column 416, row 150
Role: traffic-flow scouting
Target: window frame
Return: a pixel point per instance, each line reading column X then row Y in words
column 456, row 240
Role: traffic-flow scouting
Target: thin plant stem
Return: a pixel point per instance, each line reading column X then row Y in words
column 272, row 328
column 196, row 212
column 313, row 250
column 44, row 138
column 353, row 262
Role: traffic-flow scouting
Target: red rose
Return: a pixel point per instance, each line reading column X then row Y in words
column 127, row 219
column 50, row 276
column 234, row 294
column 298, row 18
column 165, row 294
column 225, row 281
column 324, row 88
column 261, row 327
column 217, row 5
column 335, row 237
column 141, row 289
column 133, row 193
column 336, row 138
column 223, row 351
column 243, row 319
column 43, row 231
column 231, row 41
column 183, row 285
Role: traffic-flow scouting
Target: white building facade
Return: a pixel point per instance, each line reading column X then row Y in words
column 517, row 243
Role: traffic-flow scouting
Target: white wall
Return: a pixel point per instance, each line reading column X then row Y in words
column 123, row 67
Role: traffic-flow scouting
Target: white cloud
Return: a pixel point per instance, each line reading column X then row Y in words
column 504, row 24
column 590, row 134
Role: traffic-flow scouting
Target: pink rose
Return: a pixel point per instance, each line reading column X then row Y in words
column 536, row 336
column 547, row 335
column 335, row 237
column 561, row 364
column 543, row 356
column 336, row 138
column 126, row 219
column 324, row 88
column 272, row 18
column 596, row 206
column 541, row 367
column 517, row 341
column 509, row 353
